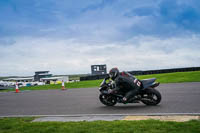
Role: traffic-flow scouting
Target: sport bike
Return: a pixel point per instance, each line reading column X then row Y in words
column 147, row 94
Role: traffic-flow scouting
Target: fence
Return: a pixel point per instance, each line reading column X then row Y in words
column 95, row 77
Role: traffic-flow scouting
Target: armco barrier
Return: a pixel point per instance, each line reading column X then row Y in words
column 95, row 77
column 165, row 71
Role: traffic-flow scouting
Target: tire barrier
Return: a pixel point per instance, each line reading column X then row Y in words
column 95, row 77
column 165, row 71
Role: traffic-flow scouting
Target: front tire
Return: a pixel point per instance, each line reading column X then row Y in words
column 107, row 100
column 151, row 97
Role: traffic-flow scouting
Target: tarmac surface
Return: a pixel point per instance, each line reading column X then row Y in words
column 177, row 98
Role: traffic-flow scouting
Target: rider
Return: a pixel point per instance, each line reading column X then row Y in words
column 124, row 82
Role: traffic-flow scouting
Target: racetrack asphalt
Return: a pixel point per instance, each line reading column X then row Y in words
column 177, row 98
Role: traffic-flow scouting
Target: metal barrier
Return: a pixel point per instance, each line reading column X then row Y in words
column 95, row 77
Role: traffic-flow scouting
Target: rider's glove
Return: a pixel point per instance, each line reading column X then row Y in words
column 110, row 91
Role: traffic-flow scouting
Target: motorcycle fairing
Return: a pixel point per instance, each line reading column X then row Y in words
column 148, row 82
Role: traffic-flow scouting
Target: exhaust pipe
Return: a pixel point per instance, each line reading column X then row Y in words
column 155, row 84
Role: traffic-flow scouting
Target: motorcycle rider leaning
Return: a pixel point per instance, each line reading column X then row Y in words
column 125, row 83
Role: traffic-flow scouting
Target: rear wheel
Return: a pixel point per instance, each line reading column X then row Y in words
column 107, row 100
column 151, row 97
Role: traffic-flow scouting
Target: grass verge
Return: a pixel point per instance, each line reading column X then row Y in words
column 24, row 125
column 177, row 77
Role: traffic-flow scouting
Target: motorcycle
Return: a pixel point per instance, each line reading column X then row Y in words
column 147, row 94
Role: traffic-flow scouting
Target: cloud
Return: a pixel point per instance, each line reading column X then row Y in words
column 67, row 37
column 112, row 20
column 28, row 55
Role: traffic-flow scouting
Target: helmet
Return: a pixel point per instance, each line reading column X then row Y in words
column 114, row 72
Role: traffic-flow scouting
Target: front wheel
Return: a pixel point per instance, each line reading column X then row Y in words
column 107, row 100
column 151, row 97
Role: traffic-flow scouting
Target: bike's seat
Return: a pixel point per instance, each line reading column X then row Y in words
column 147, row 82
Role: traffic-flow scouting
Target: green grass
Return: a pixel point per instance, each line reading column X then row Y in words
column 24, row 125
column 82, row 84
column 177, row 77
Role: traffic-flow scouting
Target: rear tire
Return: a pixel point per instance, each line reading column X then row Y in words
column 107, row 100
column 152, row 97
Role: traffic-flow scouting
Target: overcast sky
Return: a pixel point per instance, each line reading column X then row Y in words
column 68, row 36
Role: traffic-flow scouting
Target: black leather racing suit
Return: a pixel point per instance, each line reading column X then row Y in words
column 127, row 84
